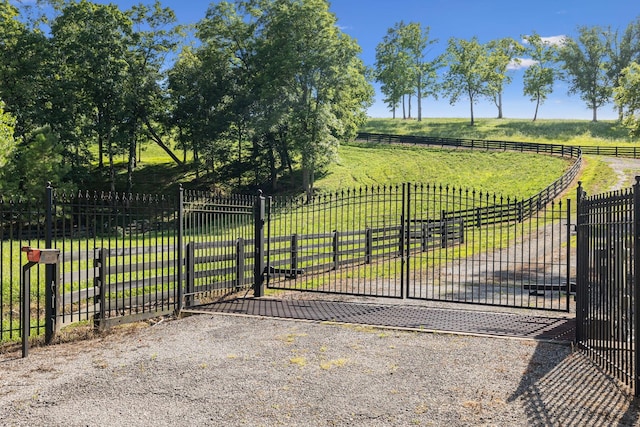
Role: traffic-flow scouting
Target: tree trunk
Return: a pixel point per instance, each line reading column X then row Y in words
column 500, row 105
column 112, row 168
column 409, row 107
column 595, row 114
column 156, row 138
column 471, row 106
column 535, row 115
column 404, row 108
column 307, row 182
column 131, row 164
column 419, row 97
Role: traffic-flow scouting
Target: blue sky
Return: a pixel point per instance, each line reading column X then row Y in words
column 368, row 20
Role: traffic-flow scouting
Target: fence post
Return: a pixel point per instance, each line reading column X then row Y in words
column 51, row 283
column 180, row 249
column 335, row 244
column 191, row 271
column 99, row 260
column 444, row 232
column 582, row 253
column 368, row 248
column 258, row 266
column 239, row 263
column 636, row 285
column 293, row 256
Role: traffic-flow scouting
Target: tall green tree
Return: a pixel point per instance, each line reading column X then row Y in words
column 540, row 75
column 91, row 46
column 622, row 50
column 393, row 69
column 319, row 67
column 24, row 53
column 469, row 73
column 503, row 53
column 289, row 81
column 627, row 98
column 586, row 67
column 7, row 142
column 415, row 42
column 155, row 36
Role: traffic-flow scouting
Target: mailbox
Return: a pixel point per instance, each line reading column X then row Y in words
column 42, row 256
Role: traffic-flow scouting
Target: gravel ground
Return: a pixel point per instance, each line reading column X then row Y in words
column 231, row 371
column 234, row 370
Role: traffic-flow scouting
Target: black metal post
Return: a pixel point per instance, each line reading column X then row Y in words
column 50, row 270
column 25, row 309
column 258, row 272
column 568, row 264
column 636, row 285
column 581, row 266
column 99, row 282
column 180, row 249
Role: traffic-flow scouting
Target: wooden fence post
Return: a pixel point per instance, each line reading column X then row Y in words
column 240, row 261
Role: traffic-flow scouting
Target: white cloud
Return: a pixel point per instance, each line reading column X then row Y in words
column 551, row 40
column 555, row 40
column 521, row 63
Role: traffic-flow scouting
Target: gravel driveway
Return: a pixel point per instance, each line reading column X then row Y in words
column 223, row 370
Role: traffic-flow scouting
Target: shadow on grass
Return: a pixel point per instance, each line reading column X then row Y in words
column 570, row 390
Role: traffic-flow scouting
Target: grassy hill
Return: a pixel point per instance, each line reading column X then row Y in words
column 507, row 173
column 510, row 174
column 567, row 132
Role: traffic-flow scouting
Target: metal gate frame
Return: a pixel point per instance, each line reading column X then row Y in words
column 390, row 242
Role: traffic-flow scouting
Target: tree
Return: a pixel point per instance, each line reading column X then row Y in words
column 469, row 71
column 627, row 98
column 622, row 51
column 91, row 46
column 145, row 100
column 585, row 63
column 281, row 74
column 392, row 69
column 7, row 142
column 503, row 53
column 540, row 74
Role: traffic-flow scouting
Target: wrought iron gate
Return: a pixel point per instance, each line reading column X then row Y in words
column 423, row 242
column 609, row 297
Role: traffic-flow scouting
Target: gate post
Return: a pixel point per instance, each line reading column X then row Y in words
column 180, row 248
column 258, row 266
column 582, row 253
column 51, row 272
column 636, row 283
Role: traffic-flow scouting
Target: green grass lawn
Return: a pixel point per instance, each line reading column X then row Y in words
column 567, row 132
column 507, row 173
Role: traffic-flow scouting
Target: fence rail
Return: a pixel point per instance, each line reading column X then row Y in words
column 532, row 147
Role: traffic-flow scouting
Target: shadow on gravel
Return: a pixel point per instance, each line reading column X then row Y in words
column 561, row 387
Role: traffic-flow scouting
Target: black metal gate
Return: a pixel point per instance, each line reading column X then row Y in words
column 423, row 242
column 608, row 293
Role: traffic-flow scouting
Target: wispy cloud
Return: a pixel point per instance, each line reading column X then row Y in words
column 555, row 40
column 551, row 40
column 521, row 63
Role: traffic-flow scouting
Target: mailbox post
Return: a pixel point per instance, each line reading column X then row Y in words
column 50, row 257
